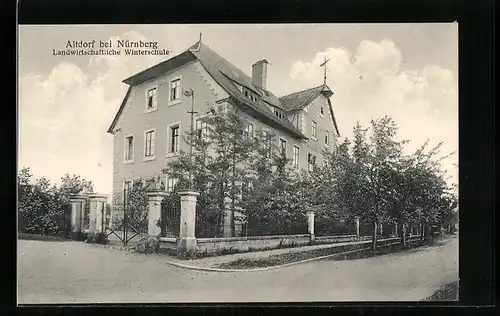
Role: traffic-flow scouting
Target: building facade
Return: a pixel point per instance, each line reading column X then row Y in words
column 153, row 116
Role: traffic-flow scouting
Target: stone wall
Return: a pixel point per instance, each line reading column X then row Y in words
column 240, row 243
column 255, row 242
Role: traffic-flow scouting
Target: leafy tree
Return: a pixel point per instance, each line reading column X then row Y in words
column 43, row 207
column 217, row 166
column 75, row 185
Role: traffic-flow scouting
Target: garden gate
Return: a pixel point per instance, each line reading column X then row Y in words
column 170, row 217
column 133, row 223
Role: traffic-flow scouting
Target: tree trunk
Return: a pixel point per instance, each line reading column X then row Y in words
column 233, row 195
column 221, row 210
column 374, row 239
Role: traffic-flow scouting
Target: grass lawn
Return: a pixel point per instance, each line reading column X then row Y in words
column 359, row 251
column 447, row 292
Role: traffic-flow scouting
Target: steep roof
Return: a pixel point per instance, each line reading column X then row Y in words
column 227, row 75
column 298, row 100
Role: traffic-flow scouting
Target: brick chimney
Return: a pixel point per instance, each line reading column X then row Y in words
column 259, row 74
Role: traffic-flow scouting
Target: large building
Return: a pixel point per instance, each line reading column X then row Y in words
column 153, row 116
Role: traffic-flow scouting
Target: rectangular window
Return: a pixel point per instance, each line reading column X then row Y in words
column 295, row 157
column 326, row 139
column 175, row 89
column 311, row 162
column 267, row 143
column 174, row 139
column 129, row 149
column 151, row 101
column 248, row 132
column 201, row 131
column 170, row 184
column 314, row 130
column 149, row 144
column 283, row 146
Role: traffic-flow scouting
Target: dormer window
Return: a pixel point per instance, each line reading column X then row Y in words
column 279, row 114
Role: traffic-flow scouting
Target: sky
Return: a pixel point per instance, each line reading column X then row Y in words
column 66, row 103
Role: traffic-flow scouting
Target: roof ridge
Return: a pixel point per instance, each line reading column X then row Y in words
column 302, row 91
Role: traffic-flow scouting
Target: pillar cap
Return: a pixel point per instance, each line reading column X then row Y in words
column 157, row 193
column 188, row 192
column 98, row 196
column 77, row 197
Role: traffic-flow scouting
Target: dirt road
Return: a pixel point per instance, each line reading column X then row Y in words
column 75, row 272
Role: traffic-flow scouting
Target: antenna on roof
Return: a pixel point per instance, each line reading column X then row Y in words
column 324, row 65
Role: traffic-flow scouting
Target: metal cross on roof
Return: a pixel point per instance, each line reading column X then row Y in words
column 324, row 65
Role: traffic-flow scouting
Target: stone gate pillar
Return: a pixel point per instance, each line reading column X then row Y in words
column 77, row 205
column 396, row 229
column 310, row 224
column 187, row 239
column 356, row 219
column 97, row 211
column 154, row 211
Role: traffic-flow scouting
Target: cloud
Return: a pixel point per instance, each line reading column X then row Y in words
column 370, row 83
column 64, row 116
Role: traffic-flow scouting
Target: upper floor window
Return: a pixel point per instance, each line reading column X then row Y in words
column 151, row 102
column 129, row 149
column 322, row 111
column 248, row 132
column 283, row 146
column 201, row 130
column 267, row 143
column 149, row 144
column 326, row 139
column 311, row 162
column 175, row 91
column 295, row 162
column 174, row 139
column 314, row 129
